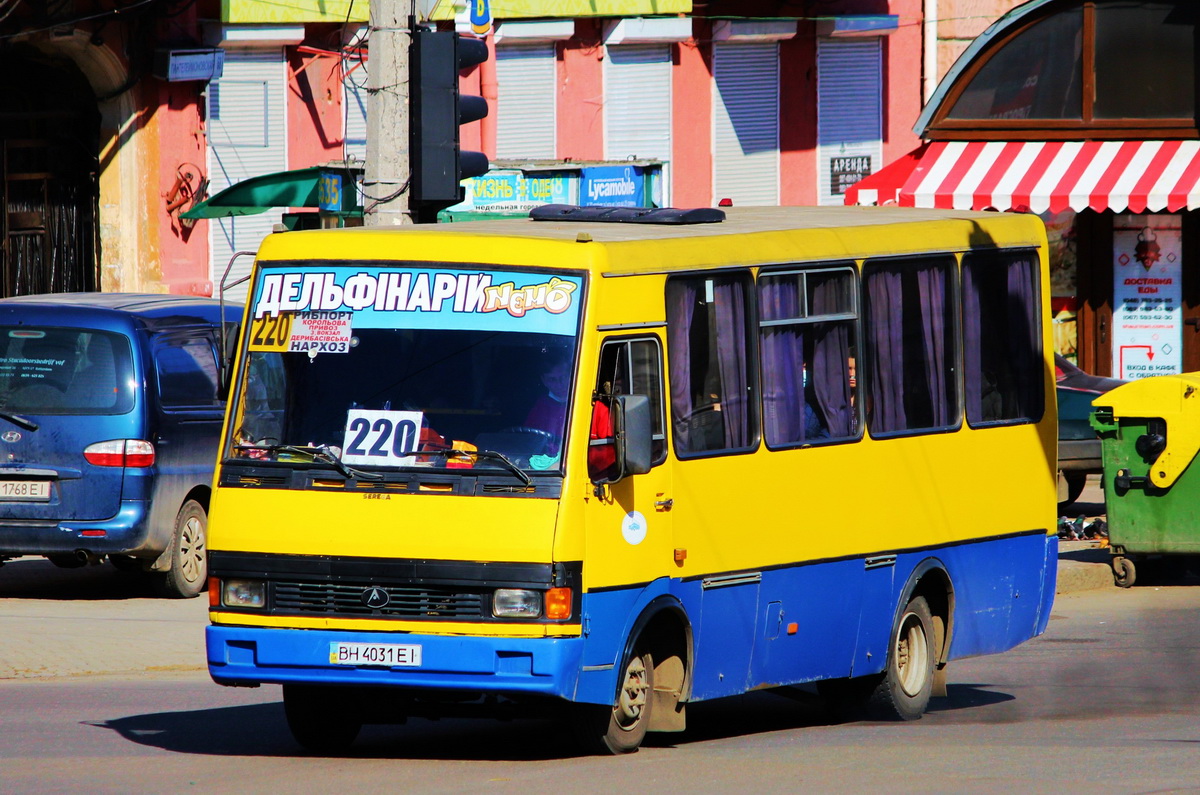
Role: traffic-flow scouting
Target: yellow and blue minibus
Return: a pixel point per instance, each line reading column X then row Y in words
column 616, row 461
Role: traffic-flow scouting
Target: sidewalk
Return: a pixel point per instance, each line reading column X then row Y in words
column 1084, row 565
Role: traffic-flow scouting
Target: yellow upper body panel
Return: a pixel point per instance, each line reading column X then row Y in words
column 709, row 515
column 748, row 237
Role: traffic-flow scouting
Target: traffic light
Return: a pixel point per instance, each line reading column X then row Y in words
column 436, row 110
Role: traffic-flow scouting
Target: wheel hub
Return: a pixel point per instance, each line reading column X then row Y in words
column 632, row 701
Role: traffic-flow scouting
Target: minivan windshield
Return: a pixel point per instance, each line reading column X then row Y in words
column 54, row 370
column 408, row 367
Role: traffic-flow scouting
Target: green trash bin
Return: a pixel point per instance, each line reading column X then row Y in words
column 1149, row 435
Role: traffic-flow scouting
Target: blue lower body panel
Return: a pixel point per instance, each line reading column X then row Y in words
column 781, row 626
column 513, row 666
column 829, row 619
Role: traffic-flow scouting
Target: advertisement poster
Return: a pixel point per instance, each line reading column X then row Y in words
column 613, row 186
column 1147, row 296
column 515, row 192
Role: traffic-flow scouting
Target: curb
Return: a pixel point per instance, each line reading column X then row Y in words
column 1083, row 566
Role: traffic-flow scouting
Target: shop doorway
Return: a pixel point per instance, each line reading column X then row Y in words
column 1140, row 290
column 49, row 142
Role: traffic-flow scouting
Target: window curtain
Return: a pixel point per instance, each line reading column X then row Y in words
column 973, row 342
column 782, row 361
column 1023, row 330
column 681, row 310
column 931, row 285
column 831, row 357
column 729, row 297
column 885, row 329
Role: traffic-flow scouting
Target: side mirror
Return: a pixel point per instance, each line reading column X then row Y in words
column 631, row 422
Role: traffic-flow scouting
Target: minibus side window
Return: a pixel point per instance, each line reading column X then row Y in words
column 1001, row 342
column 806, row 341
column 627, row 367
column 713, row 405
column 909, row 373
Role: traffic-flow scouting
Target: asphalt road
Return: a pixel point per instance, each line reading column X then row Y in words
column 1107, row 699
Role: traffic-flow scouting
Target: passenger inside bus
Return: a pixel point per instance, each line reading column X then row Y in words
column 549, row 412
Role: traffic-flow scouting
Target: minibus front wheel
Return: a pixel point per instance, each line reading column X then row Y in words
column 619, row 729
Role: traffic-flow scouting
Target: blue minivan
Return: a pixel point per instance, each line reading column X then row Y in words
column 110, row 415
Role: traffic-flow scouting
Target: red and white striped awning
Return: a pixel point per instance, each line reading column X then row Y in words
column 1040, row 176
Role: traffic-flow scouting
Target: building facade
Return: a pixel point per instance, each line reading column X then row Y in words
column 117, row 117
column 1084, row 113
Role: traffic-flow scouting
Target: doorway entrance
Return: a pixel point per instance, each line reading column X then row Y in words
column 49, row 140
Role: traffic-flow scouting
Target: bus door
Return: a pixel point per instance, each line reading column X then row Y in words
column 630, row 537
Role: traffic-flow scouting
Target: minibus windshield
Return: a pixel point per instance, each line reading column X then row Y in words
column 474, row 379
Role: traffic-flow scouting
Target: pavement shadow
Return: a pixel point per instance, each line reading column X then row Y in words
column 38, row 578
column 261, row 729
column 967, row 696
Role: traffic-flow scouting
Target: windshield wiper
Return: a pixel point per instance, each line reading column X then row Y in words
column 19, row 421
column 495, row 456
column 322, row 454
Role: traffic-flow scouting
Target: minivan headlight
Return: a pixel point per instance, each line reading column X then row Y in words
column 516, row 603
column 243, row 593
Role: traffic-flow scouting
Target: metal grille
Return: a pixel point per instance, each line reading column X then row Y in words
column 404, row 601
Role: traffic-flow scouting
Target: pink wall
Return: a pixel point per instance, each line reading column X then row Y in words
column 581, row 94
column 691, row 120
column 798, row 117
column 315, row 115
column 173, row 127
column 902, row 73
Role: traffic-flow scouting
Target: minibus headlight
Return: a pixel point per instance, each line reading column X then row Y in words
column 516, row 603
column 243, row 593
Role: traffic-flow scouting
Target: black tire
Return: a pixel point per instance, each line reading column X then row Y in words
column 1124, row 572
column 1076, row 481
column 907, row 684
column 188, row 573
column 321, row 719
column 619, row 729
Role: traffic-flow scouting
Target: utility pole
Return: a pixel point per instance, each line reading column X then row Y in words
column 386, row 177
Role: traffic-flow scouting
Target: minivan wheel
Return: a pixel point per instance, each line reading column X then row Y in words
column 189, row 554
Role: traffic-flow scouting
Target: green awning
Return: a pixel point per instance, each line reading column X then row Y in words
column 296, row 188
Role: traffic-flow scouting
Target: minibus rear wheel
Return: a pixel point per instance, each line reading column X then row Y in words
column 321, row 719
column 619, row 729
column 907, row 682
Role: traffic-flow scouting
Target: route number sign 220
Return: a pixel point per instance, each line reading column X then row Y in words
column 383, row 438
column 269, row 333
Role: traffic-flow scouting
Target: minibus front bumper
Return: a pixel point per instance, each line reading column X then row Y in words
column 506, row 666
